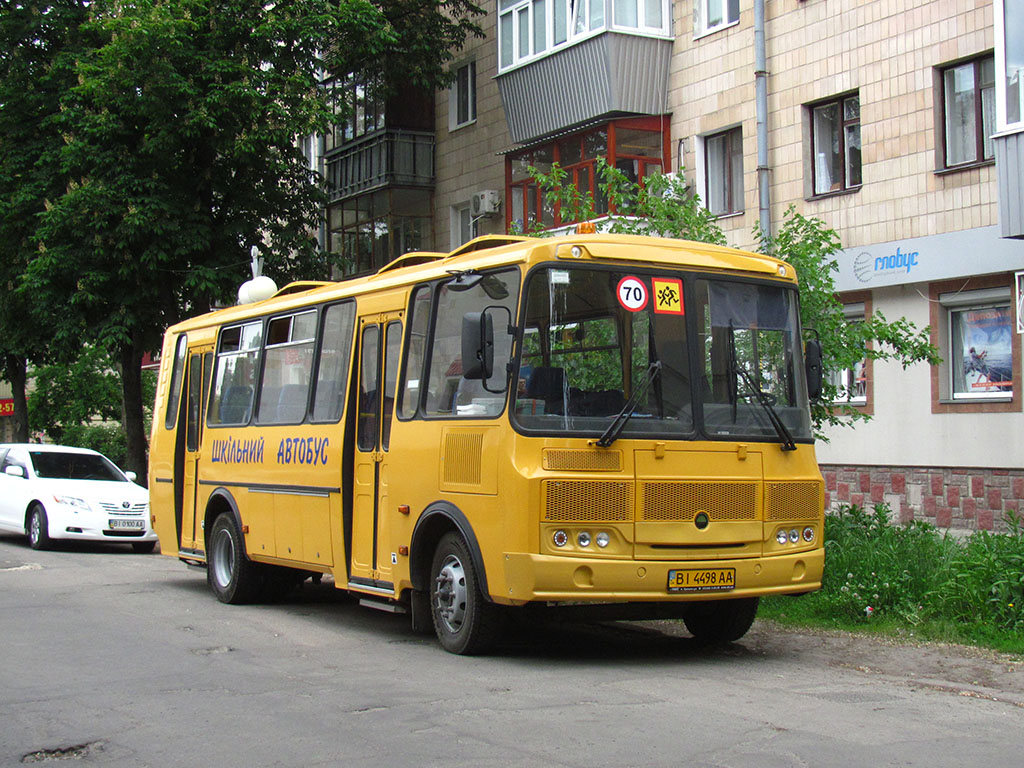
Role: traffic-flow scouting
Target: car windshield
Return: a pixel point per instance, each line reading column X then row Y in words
column 74, row 466
column 644, row 353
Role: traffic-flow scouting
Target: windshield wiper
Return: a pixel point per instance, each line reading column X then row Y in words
column 619, row 422
column 762, row 397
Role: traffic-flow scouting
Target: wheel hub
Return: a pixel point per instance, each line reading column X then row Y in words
column 223, row 561
column 450, row 593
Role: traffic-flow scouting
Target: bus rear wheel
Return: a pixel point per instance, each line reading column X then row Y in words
column 465, row 622
column 721, row 621
column 230, row 574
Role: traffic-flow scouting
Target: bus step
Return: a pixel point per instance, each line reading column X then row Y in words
column 381, row 605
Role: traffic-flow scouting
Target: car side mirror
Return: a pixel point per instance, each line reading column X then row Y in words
column 812, row 365
column 15, row 471
column 131, row 476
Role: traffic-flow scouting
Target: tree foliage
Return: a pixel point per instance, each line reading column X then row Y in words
column 172, row 149
column 665, row 206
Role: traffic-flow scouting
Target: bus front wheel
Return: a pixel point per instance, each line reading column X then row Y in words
column 721, row 621
column 464, row 621
column 230, row 574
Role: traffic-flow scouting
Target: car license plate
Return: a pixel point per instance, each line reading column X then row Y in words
column 702, row 580
column 131, row 525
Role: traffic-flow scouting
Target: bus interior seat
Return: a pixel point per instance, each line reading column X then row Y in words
column 547, row 384
column 266, row 411
column 236, row 404
column 291, row 403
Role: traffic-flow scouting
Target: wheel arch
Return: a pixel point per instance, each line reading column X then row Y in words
column 222, row 501
column 439, row 518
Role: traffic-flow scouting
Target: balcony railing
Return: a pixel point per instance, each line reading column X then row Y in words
column 386, row 158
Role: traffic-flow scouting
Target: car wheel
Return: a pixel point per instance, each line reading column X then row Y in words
column 464, row 621
column 38, row 528
column 231, row 575
column 143, row 547
column 721, row 621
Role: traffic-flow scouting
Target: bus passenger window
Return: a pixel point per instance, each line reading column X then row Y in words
column 332, row 366
column 237, row 364
column 419, row 322
column 174, row 390
column 287, row 369
column 392, row 349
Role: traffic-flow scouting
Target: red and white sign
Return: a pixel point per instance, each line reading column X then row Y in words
column 632, row 293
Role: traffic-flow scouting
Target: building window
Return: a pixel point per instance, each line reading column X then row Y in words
column 1009, row 63
column 462, row 97
column 358, row 109
column 712, row 15
column 634, row 146
column 723, row 172
column 969, row 111
column 464, row 227
column 529, row 29
column 852, row 383
column 974, row 330
column 835, row 145
column 371, row 230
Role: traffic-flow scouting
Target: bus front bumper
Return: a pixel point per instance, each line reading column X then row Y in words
column 546, row 578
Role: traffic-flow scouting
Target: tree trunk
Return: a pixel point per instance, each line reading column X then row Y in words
column 17, row 374
column 131, row 412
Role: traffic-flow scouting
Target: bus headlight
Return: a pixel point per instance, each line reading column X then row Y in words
column 782, row 537
column 561, row 538
column 602, row 539
column 794, row 536
column 808, row 533
column 583, row 539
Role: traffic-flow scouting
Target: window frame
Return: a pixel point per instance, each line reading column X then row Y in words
column 844, row 186
column 982, row 135
column 736, row 203
column 218, row 358
column 960, row 294
column 701, row 12
column 857, row 307
column 455, row 91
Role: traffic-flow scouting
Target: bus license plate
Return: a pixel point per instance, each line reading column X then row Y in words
column 131, row 525
column 702, row 580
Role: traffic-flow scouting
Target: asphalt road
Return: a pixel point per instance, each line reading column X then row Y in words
column 116, row 659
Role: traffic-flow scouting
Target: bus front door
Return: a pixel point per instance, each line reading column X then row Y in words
column 372, row 558
column 198, row 384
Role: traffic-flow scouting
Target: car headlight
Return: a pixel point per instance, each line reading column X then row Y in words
column 73, row 501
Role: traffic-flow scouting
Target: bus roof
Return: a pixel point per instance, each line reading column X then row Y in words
column 490, row 251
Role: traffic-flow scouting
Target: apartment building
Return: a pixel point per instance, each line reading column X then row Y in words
column 899, row 123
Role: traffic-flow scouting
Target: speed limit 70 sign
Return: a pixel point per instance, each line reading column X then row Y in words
column 632, row 293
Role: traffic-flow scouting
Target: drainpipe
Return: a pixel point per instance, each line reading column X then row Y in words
column 761, row 105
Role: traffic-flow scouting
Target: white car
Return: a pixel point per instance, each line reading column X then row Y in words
column 56, row 492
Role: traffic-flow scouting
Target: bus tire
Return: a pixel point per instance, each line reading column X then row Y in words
column 721, row 621
column 231, row 575
column 464, row 621
column 38, row 528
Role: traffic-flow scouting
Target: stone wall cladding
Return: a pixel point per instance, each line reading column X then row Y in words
column 956, row 498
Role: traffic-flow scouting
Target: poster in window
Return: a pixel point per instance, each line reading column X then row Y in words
column 1019, row 283
column 984, row 339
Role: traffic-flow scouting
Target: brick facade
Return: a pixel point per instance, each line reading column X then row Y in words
column 949, row 497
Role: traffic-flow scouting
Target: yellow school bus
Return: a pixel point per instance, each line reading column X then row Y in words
column 613, row 425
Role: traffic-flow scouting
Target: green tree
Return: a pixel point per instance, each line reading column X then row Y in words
column 181, row 154
column 38, row 45
column 665, row 206
column 74, row 394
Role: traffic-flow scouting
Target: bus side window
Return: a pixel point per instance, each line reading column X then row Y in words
column 174, row 389
column 333, row 361
column 419, row 324
column 237, row 363
column 287, row 369
column 366, row 431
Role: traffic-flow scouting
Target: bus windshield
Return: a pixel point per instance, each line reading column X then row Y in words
column 691, row 357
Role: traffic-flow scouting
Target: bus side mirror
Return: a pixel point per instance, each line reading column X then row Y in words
column 812, row 364
column 477, row 345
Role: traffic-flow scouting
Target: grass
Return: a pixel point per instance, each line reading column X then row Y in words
column 915, row 582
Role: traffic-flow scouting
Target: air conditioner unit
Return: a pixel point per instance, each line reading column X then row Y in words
column 486, row 202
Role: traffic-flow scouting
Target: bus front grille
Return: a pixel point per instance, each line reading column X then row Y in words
column 572, row 460
column 792, row 501
column 680, row 501
column 571, row 501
